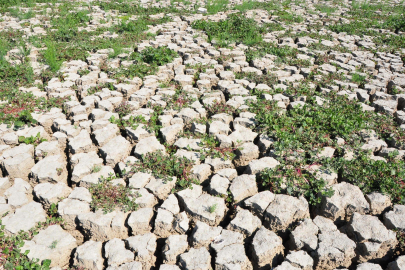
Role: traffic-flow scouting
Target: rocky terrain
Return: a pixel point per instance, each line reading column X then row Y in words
column 201, row 135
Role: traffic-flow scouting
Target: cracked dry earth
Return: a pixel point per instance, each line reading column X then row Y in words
column 278, row 146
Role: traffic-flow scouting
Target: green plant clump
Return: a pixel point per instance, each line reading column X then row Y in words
column 34, row 140
column 108, row 197
column 11, row 256
column 166, row 167
column 236, row 28
column 155, row 56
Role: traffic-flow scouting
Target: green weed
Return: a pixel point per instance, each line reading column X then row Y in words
column 236, row 28
column 212, row 208
column 155, row 56
column 165, row 167
column 34, row 140
column 215, row 6
column 109, row 197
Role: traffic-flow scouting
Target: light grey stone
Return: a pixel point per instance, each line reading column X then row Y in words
column 24, row 218
column 379, row 202
column 267, row 249
column 244, row 155
column 81, row 143
column 195, row 259
column 81, row 193
column 144, row 247
column 259, row 202
column 244, row 222
column 300, row 259
column 243, row 186
column 374, row 241
column 69, row 209
column 203, row 234
column 148, row 145
column 53, row 244
column 48, row 193
column 89, row 256
column 395, row 219
column 171, row 204
column 116, row 253
column 257, row 166
column 368, row 266
column 174, row 246
column 98, row 226
column 51, row 169
column 116, row 150
column 161, row 188
column 304, row 236
column 163, row 223
column 226, row 238
column 346, row 200
column 335, row 250
column 232, row 255
column 206, row 208
column 139, row 221
column 285, row 210
column 219, row 185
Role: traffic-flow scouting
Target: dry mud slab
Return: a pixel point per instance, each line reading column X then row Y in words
column 199, row 135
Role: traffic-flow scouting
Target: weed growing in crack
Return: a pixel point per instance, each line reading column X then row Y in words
column 123, row 109
column 217, row 107
column 34, row 140
column 291, row 178
column 269, row 79
column 108, row 197
column 11, row 256
column 178, row 101
column 236, row 28
column 373, row 175
column 359, row 79
column 155, row 56
column 166, row 167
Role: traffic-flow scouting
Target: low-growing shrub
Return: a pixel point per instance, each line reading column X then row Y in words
column 155, row 56
column 166, row 166
column 108, row 197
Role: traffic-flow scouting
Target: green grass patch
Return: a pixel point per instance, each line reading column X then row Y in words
column 249, row 5
column 264, row 48
column 215, row 6
column 326, row 9
column 236, row 28
column 167, row 166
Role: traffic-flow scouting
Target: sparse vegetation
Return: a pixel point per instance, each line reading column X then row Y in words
column 109, row 197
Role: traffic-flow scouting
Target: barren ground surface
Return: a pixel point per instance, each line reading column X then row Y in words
column 200, row 135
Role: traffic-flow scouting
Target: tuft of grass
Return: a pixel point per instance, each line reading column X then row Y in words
column 51, row 58
column 264, row 48
column 326, row 9
column 236, row 28
column 249, row 5
column 215, row 6
column 212, row 208
column 53, row 245
column 359, row 79
column 96, row 169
